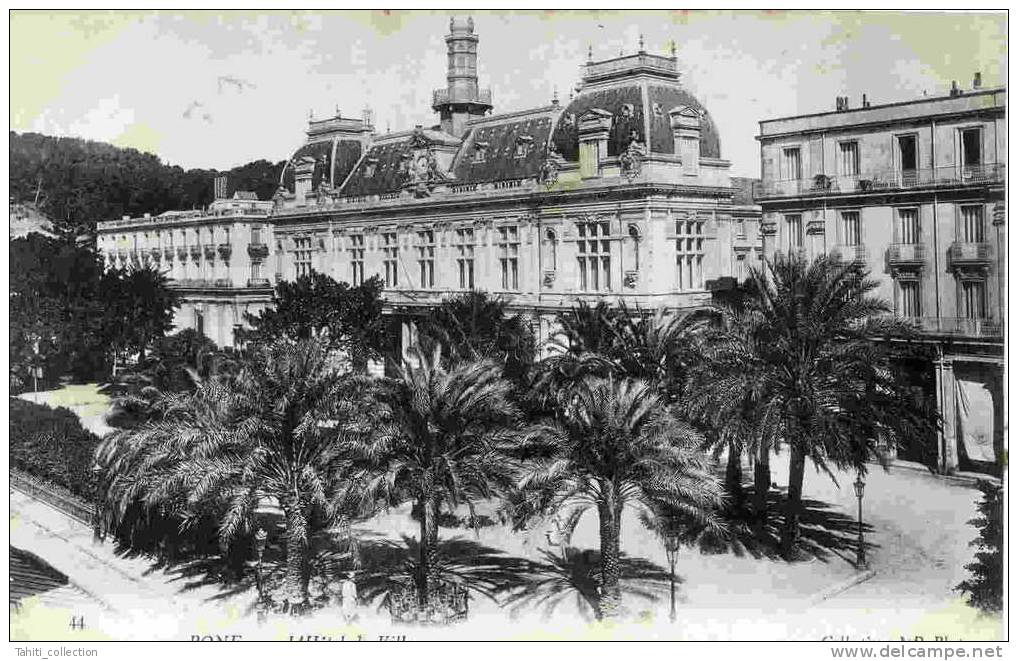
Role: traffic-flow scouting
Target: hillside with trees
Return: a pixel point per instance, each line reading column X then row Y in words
column 78, row 182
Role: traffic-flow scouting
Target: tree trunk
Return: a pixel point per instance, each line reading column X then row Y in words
column 610, row 597
column 733, row 477
column 296, row 553
column 671, row 577
column 761, row 487
column 428, row 546
column 793, row 507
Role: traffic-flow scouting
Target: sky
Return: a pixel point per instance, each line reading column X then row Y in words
column 218, row 89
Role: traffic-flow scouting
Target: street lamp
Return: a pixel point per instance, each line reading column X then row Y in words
column 259, row 541
column 860, row 551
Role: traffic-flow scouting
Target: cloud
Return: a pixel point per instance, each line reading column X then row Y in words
column 238, row 84
column 192, row 108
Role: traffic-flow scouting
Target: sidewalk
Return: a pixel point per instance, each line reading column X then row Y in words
column 139, row 602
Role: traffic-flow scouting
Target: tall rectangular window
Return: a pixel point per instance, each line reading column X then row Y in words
column 465, row 257
column 909, row 298
column 972, row 147
column 793, row 231
column 426, row 258
column 908, row 160
column 390, row 257
column 850, row 231
column 791, row 163
column 593, row 258
column 689, row 253
column 256, row 270
column 908, row 226
column 356, row 259
column 973, row 299
column 256, row 235
column 509, row 250
column 972, row 224
column 302, row 255
column 849, row 162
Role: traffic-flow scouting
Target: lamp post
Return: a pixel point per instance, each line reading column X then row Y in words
column 259, row 541
column 860, row 551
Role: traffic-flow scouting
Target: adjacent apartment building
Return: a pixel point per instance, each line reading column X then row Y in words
column 915, row 192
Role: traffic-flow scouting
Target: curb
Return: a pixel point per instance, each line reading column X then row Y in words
column 844, row 585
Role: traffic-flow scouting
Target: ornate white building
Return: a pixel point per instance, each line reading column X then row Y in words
column 620, row 194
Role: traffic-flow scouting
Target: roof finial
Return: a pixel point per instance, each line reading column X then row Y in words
column 590, row 53
column 641, row 44
column 337, row 111
column 554, row 95
column 673, row 48
column 311, row 113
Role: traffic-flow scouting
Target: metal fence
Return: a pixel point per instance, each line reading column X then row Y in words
column 52, row 494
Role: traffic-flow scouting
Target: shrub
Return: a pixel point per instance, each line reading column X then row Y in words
column 51, row 444
column 986, row 586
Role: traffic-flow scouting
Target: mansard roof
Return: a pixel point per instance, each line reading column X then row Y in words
column 505, row 147
column 334, row 159
column 381, row 169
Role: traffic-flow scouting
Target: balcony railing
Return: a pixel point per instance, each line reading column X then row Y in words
column 881, row 180
column 959, row 326
column 904, row 254
column 258, row 282
column 440, row 97
column 964, row 253
column 855, row 254
column 258, row 250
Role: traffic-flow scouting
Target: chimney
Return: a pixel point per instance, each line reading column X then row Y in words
column 368, row 117
column 977, row 80
column 865, row 103
column 954, row 88
column 219, row 187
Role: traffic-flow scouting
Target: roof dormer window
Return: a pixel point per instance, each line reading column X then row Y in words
column 523, row 145
column 480, row 152
column 369, row 167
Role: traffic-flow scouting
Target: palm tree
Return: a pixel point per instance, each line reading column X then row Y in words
column 617, row 444
column 805, row 362
column 476, row 326
column 273, row 431
column 600, row 341
column 442, row 437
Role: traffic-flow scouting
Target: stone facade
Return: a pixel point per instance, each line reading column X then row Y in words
column 621, row 194
column 915, row 191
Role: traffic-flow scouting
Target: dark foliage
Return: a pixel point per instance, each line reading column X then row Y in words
column 176, row 364
column 985, row 588
column 51, row 444
column 55, row 304
column 141, row 304
column 477, row 326
column 79, row 182
column 346, row 318
column 68, row 316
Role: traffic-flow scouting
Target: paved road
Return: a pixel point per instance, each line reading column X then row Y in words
column 919, row 527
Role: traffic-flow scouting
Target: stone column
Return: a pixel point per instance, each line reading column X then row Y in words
column 769, row 232
column 947, row 405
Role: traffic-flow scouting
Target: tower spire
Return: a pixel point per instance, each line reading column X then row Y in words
column 461, row 99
